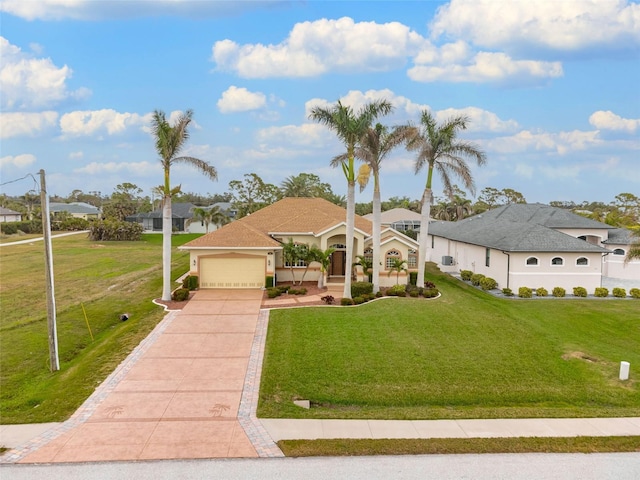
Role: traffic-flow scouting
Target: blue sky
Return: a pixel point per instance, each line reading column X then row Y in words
column 550, row 87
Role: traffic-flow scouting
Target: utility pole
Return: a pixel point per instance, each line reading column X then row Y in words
column 48, row 262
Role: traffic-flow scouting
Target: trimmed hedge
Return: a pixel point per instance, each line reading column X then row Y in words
column 466, row 275
column 190, row 282
column 180, row 295
column 525, row 292
column 268, row 281
column 601, row 292
column 542, row 292
column 488, row 283
column 634, row 292
column 579, row 292
column 413, row 278
column 619, row 292
column 476, row 278
column 558, row 292
column 361, row 288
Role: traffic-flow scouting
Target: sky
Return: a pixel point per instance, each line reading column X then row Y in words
column 551, row 90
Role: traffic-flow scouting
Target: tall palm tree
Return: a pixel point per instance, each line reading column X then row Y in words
column 350, row 126
column 438, row 148
column 218, row 217
column 169, row 140
column 374, row 146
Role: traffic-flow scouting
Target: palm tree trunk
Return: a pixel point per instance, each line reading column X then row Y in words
column 351, row 217
column 376, row 240
column 166, row 248
column 424, row 235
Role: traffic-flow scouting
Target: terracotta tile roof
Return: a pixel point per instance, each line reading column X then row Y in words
column 289, row 215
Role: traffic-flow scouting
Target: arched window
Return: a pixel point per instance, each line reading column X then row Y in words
column 412, row 260
column 582, row 261
column 390, row 257
column 618, row 251
column 557, row 261
column 531, row 261
column 368, row 255
column 582, row 237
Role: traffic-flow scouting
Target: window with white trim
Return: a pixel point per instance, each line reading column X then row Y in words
column 390, row 257
column 582, row 262
column 299, row 263
column 619, row 251
column 368, row 255
column 412, row 259
column 532, row 261
column 487, row 257
column 557, row 261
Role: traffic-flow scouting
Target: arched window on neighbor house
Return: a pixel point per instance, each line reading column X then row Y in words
column 532, row 261
column 557, row 261
column 582, row 262
column 390, row 257
column 619, row 251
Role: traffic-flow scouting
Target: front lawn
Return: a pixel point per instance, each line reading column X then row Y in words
column 107, row 279
column 464, row 355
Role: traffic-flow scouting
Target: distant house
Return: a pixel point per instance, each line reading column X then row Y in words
column 182, row 218
column 198, row 226
column 76, row 210
column 8, row 215
column 400, row 219
column 533, row 245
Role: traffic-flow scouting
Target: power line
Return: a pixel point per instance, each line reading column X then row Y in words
column 35, row 182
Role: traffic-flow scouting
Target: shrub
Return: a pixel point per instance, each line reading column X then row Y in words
column 379, row 294
column 619, row 292
column 634, row 292
column 71, row 224
column 273, row 292
column 346, row 301
column 180, row 295
column 115, row 230
column 466, row 275
column 9, row 228
column 430, row 292
column 302, row 291
column 413, row 278
column 283, row 288
column 328, row 299
column 579, row 292
column 396, row 290
column 297, row 291
column 428, row 284
column 360, row 288
column 542, row 292
column 358, row 300
column 558, row 292
column 268, row 281
column 601, row 292
column 414, row 293
column 508, row 292
column 190, row 282
column 476, row 278
column 525, row 292
column 488, row 283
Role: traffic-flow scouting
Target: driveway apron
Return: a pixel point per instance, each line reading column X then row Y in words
column 181, row 397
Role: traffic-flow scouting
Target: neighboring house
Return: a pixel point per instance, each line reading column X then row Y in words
column 533, row 246
column 8, row 215
column 76, row 210
column 243, row 253
column 400, row 219
column 195, row 225
column 182, row 218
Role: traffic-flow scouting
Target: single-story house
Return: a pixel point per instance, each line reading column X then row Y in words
column 244, row 252
column 533, row 245
column 182, row 218
column 8, row 215
column 76, row 210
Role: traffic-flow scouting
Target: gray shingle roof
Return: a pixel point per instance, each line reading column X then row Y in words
column 74, row 207
column 521, row 229
column 619, row 236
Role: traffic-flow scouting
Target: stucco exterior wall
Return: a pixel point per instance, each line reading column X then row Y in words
column 549, row 276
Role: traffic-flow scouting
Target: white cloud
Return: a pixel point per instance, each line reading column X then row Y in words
column 479, row 120
column 28, row 82
column 307, row 134
column 607, row 120
column 92, row 122
column 487, row 67
column 313, row 48
column 239, row 99
column 557, row 25
column 95, row 10
column 76, row 155
column 19, row 161
column 527, row 141
column 136, row 168
column 17, row 124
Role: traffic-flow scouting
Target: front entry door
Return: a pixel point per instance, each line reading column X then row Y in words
column 338, row 263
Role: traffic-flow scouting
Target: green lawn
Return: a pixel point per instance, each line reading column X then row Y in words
column 464, row 355
column 108, row 278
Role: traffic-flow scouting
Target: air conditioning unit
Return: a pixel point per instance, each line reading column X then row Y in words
column 447, row 260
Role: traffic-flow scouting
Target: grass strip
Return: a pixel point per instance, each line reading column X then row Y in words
column 430, row 446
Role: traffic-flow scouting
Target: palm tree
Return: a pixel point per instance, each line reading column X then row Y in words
column 350, row 126
column 202, row 215
column 439, row 148
column 218, row 217
column 366, row 263
column 170, row 140
column 373, row 148
column 323, row 257
column 397, row 266
column 634, row 250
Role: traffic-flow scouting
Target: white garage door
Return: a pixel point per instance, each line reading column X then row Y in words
column 232, row 273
